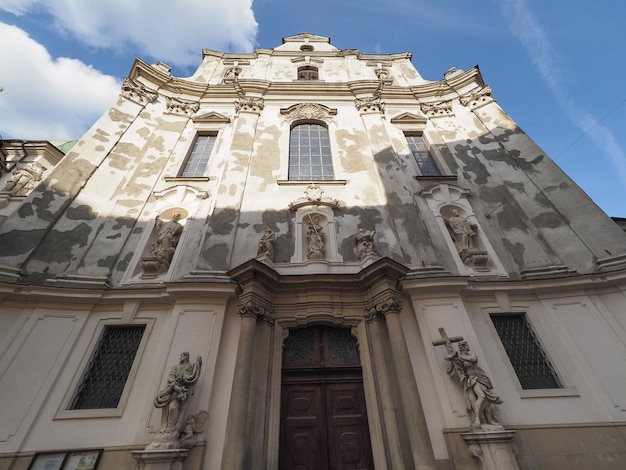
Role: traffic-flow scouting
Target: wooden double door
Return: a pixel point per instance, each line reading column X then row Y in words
column 323, row 413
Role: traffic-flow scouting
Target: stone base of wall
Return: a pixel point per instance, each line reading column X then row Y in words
column 118, row 458
column 562, row 447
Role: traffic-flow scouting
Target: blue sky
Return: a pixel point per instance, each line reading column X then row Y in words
column 555, row 67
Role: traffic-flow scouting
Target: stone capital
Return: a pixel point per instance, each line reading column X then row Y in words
column 252, row 308
column 383, row 306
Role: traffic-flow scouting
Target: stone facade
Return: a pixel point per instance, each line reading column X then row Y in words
column 384, row 249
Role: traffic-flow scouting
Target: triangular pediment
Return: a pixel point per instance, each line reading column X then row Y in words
column 306, row 37
column 409, row 118
column 211, row 117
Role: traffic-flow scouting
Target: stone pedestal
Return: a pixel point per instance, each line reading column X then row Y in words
column 494, row 449
column 170, row 459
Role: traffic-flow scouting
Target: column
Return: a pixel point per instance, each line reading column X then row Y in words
column 421, row 448
column 235, row 445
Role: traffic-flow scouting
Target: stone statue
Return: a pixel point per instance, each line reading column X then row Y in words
column 25, row 179
column 364, row 243
column 461, row 231
column 163, row 248
column 266, row 244
column 477, row 388
column 172, row 401
column 315, row 237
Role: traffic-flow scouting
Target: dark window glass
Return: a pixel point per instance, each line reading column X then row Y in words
column 531, row 365
column 309, row 153
column 105, row 378
column 199, row 157
column 307, row 73
column 422, row 155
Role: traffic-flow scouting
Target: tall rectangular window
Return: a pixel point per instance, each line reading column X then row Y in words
column 104, row 380
column 531, row 365
column 422, row 155
column 309, row 153
column 198, row 159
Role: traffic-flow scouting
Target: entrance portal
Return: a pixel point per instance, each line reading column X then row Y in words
column 323, row 424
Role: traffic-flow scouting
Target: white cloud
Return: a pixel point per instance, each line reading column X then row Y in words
column 529, row 32
column 46, row 98
column 172, row 31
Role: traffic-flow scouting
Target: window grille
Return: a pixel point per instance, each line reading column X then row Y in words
column 425, row 161
column 199, row 157
column 531, row 365
column 105, row 378
column 309, row 153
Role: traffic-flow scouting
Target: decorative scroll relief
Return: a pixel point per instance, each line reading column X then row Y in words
column 249, row 105
column 183, row 108
column 313, row 194
column 439, row 109
column 137, row 93
column 307, row 111
column 477, row 98
column 372, row 104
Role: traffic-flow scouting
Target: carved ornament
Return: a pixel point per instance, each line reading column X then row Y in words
column 382, row 308
column 249, row 105
column 308, row 111
column 370, row 105
column 477, row 98
column 136, row 92
column 253, row 309
column 438, row 109
column 183, row 108
column 313, row 194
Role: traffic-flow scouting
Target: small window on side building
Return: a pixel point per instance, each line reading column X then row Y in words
column 104, row 380
column 198, row 158
column 532, row 367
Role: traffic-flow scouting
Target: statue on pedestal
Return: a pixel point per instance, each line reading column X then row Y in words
column 163, row 248
column 266, row 244
column 315, row 237
column 477, row 388
column 364, row 243
column 172, row 401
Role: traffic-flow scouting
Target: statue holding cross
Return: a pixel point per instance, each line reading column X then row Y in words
column 477, row 388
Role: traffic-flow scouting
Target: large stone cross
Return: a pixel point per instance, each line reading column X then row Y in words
column 445, row 339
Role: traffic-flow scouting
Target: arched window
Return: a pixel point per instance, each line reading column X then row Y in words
column 309, row 153
column 307, row 72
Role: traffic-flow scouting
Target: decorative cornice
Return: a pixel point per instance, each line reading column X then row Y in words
column 477, row 98
column 137, row 93
column 249, row 105
column 308, row 111
column 180, row 107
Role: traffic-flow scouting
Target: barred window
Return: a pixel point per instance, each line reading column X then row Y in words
column 531, row 365
column 309, row 153
column 424, row 159
column 198, row 159
column 104, row 380
column 307, row 72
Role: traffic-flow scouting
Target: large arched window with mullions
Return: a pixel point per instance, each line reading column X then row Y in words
column 309, row 153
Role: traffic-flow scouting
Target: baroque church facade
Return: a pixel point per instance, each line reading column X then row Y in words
column 309, row 258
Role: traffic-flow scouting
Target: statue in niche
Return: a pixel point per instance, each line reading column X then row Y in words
column 364, row 243
column 25, row 179
column 461, row 230
column 163, row 248
column 477, row 388
column 463, row 233
column 172, row 401
column 315, row 237
column 266, row 244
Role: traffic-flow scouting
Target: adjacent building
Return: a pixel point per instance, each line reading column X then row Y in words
column 338, row 240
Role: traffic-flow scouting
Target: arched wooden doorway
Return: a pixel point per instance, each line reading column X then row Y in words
column 323, row 424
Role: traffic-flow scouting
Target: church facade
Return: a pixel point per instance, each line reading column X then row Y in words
column 309, row 258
